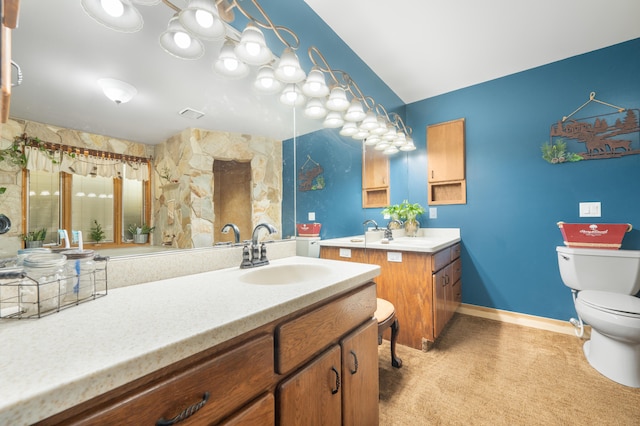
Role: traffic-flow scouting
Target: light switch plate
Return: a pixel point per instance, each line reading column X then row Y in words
column 345, row 252
column 591, row 209
column 312, row 216
column 433, row 212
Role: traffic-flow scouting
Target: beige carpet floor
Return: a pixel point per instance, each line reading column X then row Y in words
column 484, row 372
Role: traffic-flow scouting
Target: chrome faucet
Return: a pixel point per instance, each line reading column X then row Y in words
column 236, row 231
column 368, row 221
column 256, row 255
column 388, row 233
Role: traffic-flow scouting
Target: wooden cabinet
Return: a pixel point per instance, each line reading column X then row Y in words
column 316, row 366
column 339, row 387
column 375, row 178
column 446, row 163
column 425, row 288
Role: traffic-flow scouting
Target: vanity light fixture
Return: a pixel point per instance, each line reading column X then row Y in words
column 176, row 41
column 315, row 109
column 116, row 90
column 288, row 69
column 333, row 120
column 114, row 14
column 201, row 18
column 342, row 107
column 252, row 49
column 228, row 64
column 266, row 81
column 292, row 95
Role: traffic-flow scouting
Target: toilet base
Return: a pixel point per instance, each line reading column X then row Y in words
column 614, row 359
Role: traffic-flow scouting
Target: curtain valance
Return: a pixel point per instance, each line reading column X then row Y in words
column 59, row 160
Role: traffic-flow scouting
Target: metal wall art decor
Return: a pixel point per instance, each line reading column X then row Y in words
column 310, row 177
column 604, row 136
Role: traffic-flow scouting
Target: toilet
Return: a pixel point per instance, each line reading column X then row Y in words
column 604, row 284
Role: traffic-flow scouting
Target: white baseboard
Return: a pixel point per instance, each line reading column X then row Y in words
column 542, row 323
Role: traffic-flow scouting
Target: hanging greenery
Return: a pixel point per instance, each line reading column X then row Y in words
column 557, row 152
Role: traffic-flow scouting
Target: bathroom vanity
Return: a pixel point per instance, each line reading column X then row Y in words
column 421, row 276
column 269, row 345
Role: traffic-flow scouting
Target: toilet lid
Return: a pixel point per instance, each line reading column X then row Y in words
column 622, row 304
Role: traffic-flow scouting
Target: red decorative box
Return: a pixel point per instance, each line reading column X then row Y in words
column 594, row 235
column 309, row 229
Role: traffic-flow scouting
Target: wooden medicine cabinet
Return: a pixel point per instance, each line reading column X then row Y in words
column 375, row 178
column 446, row 163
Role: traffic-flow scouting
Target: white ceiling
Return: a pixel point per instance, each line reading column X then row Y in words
column 423, row 48
column 419, row 48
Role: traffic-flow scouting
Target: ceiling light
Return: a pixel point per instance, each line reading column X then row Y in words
column 228, row 64
column 292, row 95
column 360, row 134
column 116, row 90
column 391, row 133
column 119, row 15
column 355, row 112
column 177, row 41
column 315, row 86
column 337, row 100
column 382, row 127
column 315, row 109
column 265, row 81
column 201, row 19
column 333, row 120
column 381, row 146
column 252, row 48
column 288, row 69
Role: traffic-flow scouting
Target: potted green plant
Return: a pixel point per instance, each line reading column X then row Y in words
column 97, row 233
column 34, row 238
column 140, row 234
column 408, row 213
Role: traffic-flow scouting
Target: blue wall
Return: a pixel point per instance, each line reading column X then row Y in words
column 514, row 198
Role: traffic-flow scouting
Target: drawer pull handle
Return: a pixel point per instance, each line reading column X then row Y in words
column 355, row 360
column 337, row 388
column 186, row 413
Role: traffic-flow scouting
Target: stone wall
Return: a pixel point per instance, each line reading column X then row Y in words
column 183, row 183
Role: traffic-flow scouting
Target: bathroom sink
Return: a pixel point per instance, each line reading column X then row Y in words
column 284, row 274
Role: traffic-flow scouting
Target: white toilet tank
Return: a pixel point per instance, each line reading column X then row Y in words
column 617, row 271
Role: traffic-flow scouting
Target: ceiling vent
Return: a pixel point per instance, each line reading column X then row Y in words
column 191, row 113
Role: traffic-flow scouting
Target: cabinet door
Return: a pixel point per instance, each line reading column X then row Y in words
column 313, row 395
column 445, row 151
column 360, row 376
column 441, row 286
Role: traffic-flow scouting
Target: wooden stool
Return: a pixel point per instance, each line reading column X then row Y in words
column 386, row 316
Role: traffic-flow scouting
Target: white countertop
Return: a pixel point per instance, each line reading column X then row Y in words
column 50, row 364
column 429, row 240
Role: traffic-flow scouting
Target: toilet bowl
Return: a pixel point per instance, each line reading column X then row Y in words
column 604, row 283
column 614, row 348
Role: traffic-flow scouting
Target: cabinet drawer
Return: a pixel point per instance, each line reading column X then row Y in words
column 301, row 338
column 455, row 251
column 456, row 270
column 260, row 413
column 230, row 380
column 441, row 259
